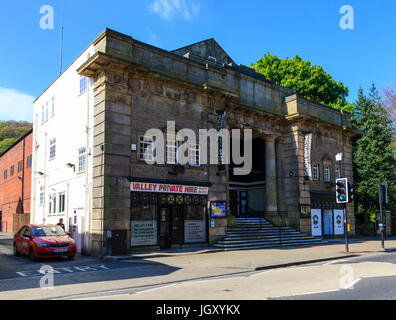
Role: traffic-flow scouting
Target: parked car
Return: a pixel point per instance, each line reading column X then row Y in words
column 39, row 241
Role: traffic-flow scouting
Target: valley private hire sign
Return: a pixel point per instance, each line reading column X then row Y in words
column 168, row 188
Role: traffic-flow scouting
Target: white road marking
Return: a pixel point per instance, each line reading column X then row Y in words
column 352, row 284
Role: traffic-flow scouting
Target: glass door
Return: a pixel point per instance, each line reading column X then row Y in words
column 165, row 225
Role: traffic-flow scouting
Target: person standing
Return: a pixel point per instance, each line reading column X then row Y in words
column 61, row 224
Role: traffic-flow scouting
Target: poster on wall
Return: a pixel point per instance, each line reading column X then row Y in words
column 338, row 222
column 144, row 233
column 194, row 231
column 218, row 209
column 316, row 219
column 307, row 156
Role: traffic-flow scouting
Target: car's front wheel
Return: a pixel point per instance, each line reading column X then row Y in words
column 31, row 255
column 16, row 252
column 71, row 257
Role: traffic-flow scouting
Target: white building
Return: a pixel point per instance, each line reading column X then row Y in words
column 62, row 147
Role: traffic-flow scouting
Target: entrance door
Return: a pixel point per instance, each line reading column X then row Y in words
column 165, row 228
column 75, row 227
column 119, row 242
column 177, row 225
column 328, row 222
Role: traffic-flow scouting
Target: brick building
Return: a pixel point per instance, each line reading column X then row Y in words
column 135, row 87
column 15, row 183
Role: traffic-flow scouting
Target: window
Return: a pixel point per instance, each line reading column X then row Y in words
column 5, row 174
column 83, row 84
column 62, row 198
column 52, row 205
column 46, row 111
column 42, row 115
column 146, row 149
column 338, row 173
column 42, row 196
column 53, row 107
column 29, row 162
column 194, row 155
column 12, row 171
column 316, row 172
column 82, row 159
column 327, row 174
column 52, row 149
column 171, row 152
column 20, row 166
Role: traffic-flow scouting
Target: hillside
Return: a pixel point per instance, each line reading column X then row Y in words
column 11, row 131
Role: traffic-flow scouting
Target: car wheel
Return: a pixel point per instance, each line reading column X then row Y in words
column 31, row 255
column 16, row 252
column 71, row 257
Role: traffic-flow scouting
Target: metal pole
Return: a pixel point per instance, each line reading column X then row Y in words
column 380, row 192
column 346, row 229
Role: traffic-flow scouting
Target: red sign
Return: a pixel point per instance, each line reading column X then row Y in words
column 168, row 188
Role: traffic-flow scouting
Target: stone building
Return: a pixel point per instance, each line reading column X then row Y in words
column 137, row 87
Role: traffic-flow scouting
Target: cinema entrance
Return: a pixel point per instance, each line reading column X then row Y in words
column 165, row 216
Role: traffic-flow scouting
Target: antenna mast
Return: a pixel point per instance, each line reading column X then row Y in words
column 61, row 36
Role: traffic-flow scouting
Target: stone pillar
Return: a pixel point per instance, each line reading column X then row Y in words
column 270, row 175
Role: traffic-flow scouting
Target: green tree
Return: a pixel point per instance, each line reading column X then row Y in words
column 372, row 152
column 11, row 131
column 307, row 80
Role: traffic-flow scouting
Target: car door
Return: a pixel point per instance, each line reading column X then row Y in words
column 19, row 238
column 25, row 240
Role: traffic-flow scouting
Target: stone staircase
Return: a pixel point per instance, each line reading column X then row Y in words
column 256, row 233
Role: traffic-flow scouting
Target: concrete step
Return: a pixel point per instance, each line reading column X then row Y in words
column 267, row 243
column 252, row 233
column 274, row 239
column 274, row 236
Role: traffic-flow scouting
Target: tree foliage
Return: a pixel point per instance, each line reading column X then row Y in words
column 310, row 81
column 11, row 131
column 373, row 157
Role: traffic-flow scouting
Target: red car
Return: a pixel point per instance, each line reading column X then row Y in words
column 44, row 242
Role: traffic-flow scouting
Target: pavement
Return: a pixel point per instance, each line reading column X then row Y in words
column 260, row 259
column 141, row 271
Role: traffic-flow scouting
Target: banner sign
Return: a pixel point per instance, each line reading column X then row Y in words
column 307, row 156
column 338, row 222
column 220, row 126
column 168, row 188
column 316, row 218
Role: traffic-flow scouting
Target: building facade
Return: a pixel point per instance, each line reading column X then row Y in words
column 62, row 161
column 15, row 184
column 131, row 203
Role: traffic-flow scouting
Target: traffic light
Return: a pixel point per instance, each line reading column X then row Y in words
column 342, row 190
column 351, row 192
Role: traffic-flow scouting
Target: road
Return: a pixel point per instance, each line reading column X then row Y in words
column 366, row 276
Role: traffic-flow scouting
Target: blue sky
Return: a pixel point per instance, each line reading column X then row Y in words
column 29, row 56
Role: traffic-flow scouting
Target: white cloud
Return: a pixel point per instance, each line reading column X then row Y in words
column 15, row 105
column 168, row 9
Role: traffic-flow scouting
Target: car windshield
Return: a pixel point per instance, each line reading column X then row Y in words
column 48, row 231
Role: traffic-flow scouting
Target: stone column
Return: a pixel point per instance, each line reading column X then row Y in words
column 270, row 175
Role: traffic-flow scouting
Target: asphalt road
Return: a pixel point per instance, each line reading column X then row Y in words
column 371, row 288
column 369, row 276
column 18, row 273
